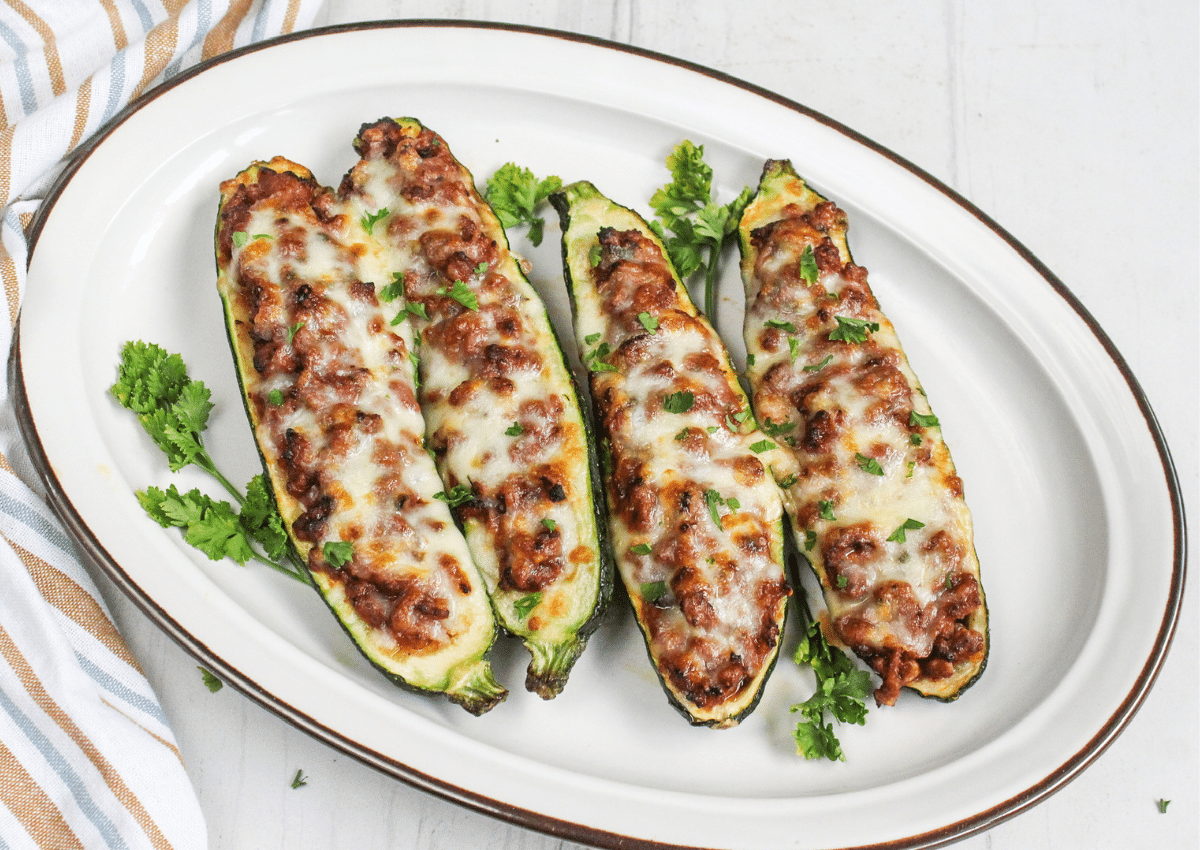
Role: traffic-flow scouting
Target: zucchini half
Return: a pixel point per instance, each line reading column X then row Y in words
column 875, row 499
column 695, row 519
column 328, row 386
column 503, row 416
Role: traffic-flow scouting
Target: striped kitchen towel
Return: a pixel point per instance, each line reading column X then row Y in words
column 87, row 758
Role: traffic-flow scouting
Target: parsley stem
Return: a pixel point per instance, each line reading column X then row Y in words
column 710, row 283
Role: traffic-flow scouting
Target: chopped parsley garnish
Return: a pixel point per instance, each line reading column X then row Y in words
column 750, row 359
column 841, row 692
column 299, row 780
column 648, row 322
column 293, row 330
column 682, row 435
column 1162, row 806
column 640, row 549
column 481, row 268
column 549, row 524
column 909, row 524
column 868, row 464
column 394, row 289
column 458, row 494
column 761, row 446
column 713, row 500
column 369, row 220
column 240, row 238
column 825, row 510
column 810, row 540
column 338, row 553
column 777, row 429
column 680, row 402
column 808, row 265
column 592, row 339
column 514, row 430
column 817, row 367
column 691, row 225
column 781, row 325
column 915, row 439
column 210, row 681
column 515, row 193
column 853, row 330
column 652, row 591
column 275, row 397
column 461, row 293
column 596, row 361
column 527, row 603
column 594, row 254
column 793, row 348
column 416, row 308
column 173, row 409
column 922, row 420
column 842, row 581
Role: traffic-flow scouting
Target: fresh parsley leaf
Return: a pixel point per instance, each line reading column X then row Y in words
column 515, row 193
column 648, row 322
column 338, row 553
column 592, row 339
column 595, row 253
column 458, row 494
column 369, row 220
column 527, row 603
column 781, row 325
column 652, row 591
column 275, row 397
column 713, row 500
column 910, row 524
column 174, row 411
column 808, row 265
column 210, row 681
column 416, row 308
column 868, row 464
column 549, row 524
column 293, row 330
column 825, row 510
column 750, row 359
column 481, row 268
column 683, row 434
column 514, row 430
column 680, row 402
column 640, row 549
column 793, row 348
column 596, row 361
column 461, row 293
column 841, row 691
column 240, row 238
column 1162, row 806
column 777, row 429
column 922, row 420
column 690, row 223
column 394, row 289
column 810, row 540
column 299, row 780
column 853, row 330
column 761, row 446
column 817, row 367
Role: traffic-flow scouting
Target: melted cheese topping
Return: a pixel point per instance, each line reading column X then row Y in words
column 693, row 511
column 501, row 412
column 330, row 387
column 876, row 502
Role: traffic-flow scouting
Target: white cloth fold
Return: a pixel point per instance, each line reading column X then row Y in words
column 87, row 756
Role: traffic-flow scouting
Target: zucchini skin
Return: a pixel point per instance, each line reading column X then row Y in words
column 291, row 291
column 704, row 573
column 502, row 408
column 910, row 603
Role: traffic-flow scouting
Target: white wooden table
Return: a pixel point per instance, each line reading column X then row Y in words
column 1074, row 125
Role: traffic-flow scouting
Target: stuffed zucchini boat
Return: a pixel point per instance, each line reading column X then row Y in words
column 501, row 408
column 876, row 504
column 327, row 382
column 695, row 519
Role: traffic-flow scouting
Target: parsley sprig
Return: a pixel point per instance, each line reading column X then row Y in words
column 690, row 223
column 841, row 692
column 174, row 410
column 515, row 193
